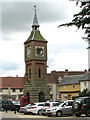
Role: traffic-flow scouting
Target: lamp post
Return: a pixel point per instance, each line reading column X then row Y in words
column 89, row 53
column 9, row 94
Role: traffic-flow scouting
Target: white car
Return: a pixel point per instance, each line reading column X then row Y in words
column 64, row 108
column 35, row 108
column 24, row 109
column 46, row 106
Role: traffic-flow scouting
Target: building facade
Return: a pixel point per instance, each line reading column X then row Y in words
column 36, row 87
column 54, row 79
column 11, row 87
column 71, row 85
column 85, row 82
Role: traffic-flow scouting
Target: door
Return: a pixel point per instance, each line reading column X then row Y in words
column 28, row 97
column 67, row 107
column 41, row 97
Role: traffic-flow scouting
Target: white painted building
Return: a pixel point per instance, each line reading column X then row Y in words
column 85, row 82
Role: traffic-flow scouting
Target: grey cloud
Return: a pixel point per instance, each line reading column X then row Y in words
column 17, row 16
column 6, row 36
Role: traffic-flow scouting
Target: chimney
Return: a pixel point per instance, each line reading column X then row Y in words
column 85, row 71
column 16, row 75
column 53, row 72
column 66, row 72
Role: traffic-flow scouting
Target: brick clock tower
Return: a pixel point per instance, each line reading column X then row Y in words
column 36, row 87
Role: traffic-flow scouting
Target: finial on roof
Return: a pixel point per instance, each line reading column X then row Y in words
column 35, row 21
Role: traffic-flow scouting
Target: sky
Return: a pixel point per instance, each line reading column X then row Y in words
column 66, row 48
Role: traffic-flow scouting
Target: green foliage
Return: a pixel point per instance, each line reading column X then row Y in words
column 85, row 92
column 82, row 19
column 74, row 97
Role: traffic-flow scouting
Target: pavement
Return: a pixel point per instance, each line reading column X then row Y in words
column 12, row 114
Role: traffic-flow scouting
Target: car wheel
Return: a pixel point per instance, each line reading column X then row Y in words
column 49, row 115
column 77, row 115
column 31, row 113
column 2, row 109
column 25, row 113
column 59, row 113
column 76, row 106
column 88, row 113
column 39, row 112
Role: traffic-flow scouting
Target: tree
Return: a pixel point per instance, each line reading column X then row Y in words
column 85, row 92
column 82, row 19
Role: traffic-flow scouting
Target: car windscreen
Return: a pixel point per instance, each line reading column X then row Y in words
column 27, row 105
column 47, row 104
column 56, row 104
column 87, row 100
column 78, row 100
column 33, row 104
column 41, row 105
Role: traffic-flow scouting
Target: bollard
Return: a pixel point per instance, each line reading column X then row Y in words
column 15, row 112
column 6, row 110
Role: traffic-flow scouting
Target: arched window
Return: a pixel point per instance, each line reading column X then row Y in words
column 41, row 97
column 29, row 73
column 28, row 97
column 39, row 73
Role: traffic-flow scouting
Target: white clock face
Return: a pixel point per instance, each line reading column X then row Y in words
column 39, row 51
column 28, row 51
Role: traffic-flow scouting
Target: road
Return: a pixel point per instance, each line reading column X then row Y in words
column 19, row 116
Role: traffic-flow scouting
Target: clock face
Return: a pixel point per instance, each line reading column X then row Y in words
column 39, row 51
column 28, row 52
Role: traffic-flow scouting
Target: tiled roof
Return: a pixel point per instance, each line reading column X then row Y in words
column 19, row 82
column 14, row 82
column 86, row 77
column 54, row 75
column 74, row 79
column 35, row 35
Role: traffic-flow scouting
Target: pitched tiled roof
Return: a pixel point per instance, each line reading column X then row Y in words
column 19, row 82
column 54, row 75
column 14, row 82
column 86, row 77
column 35, row 35
column 74, row 79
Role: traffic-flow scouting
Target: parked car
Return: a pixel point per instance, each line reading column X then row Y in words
column 7, row 105
column 81, row 105
column 16, row 103
column 64, row 108
column 35, row 108
column 46, row 106
column 24, row 109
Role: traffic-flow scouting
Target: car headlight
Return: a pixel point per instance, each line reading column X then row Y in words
column 54, row 109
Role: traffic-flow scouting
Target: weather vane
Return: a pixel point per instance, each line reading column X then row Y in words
column 35, row 8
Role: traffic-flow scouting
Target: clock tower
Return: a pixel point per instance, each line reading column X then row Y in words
column 36, row 87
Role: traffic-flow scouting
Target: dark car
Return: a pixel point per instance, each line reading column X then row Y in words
column 81, row 105
column 16, row 104
column 7, row 105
